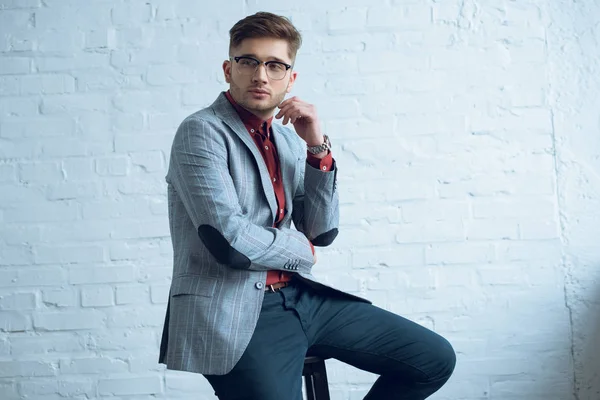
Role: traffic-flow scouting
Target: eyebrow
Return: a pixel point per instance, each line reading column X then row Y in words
column 272, row 58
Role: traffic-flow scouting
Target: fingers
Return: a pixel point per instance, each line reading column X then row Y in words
column 291, row 113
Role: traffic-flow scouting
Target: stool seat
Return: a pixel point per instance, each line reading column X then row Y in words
column 315, row 378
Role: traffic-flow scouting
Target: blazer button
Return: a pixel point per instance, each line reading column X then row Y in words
column 259, row 285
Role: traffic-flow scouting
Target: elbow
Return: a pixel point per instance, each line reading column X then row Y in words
column 325, row 239
column 220, row 248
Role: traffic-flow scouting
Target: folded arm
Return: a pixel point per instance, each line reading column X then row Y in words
column 201, row 178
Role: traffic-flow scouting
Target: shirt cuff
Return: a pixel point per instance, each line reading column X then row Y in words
column 324, row 164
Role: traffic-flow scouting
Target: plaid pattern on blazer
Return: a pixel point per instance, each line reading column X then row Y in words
column 221, row 212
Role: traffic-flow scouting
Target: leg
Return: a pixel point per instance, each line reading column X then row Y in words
column 412, row 361
column 271, row 366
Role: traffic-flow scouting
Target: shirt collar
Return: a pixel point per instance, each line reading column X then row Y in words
column 247, row 117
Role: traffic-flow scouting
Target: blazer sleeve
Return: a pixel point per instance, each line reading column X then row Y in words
column 199, row 173
column 316, row 210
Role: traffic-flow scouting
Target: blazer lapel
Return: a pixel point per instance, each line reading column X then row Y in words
column 227, row 113
column 288, row 162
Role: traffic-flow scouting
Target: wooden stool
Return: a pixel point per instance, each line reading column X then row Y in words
column 315, row 379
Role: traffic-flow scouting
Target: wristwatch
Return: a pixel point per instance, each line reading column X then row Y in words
column 320, row 148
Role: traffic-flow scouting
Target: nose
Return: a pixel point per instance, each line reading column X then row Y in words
column 260, row 75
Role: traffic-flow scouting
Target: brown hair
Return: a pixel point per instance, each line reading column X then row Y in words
column 266, row 25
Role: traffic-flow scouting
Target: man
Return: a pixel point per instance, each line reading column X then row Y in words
column 244, row 309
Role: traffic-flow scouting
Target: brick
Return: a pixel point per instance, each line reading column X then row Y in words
column 15, row 4
column 112, row 166
column 35, row 127
column 492, row 229
column 69, row 103
column 92, row 365
column 20, row 195
column 130, row 386
column 58, row 342
column 131, row 13
column 414, row 16
column 538, row 230
column 72, row 388
column 65, row 297
column 347, row 19
column 150, row 161
column 550, row 250
column 79, row 231
column 390, row 61
column 40, row 172
column 152, row 185
column 26, row 368
column 13, row 321
column 72, row 320
column 126, row 208
column 396, row 256
column 16, row 255
column 47, row 84
column 142, row 229
column 105, row 274
column 18, row 107
column 17, row 301
column 73, row 190
column 160, row 293
column 437, row 231
column 97, row 296
column 38, row 387
column 15, row 65
column 43, row 212
column 130, row 294
column 10, row 85
column 78, row 169
column 527, row 208
column 68, row 254
column 9, row 390
column 68, row 147
column 127, row 123
column 119, row 339
column 423, row 124
column 136, row 318
column 74, row 16
column 434, row 210
column 168, row 74
column 459, row 253
column 7, row 173
column 30, row 276
column 142, row 143
column 101, row 39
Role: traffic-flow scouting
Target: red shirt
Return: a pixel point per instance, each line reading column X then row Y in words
column 261, row 133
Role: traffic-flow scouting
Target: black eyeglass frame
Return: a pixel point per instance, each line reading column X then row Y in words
column 287, row 66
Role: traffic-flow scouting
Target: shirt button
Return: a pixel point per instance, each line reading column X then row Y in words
column 274, row 179
column 259, row 285
column 324, row 168
column 281, row 211
column 266, row 147
column 251, row 130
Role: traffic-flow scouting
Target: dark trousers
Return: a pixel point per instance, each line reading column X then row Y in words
column 412, row 361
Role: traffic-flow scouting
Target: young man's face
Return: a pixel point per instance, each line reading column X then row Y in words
column 256, row 90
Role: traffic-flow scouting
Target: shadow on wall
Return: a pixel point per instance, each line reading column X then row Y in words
column 583, row 299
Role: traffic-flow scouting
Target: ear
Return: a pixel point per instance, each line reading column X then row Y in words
column 227, row 70
column 290, row 85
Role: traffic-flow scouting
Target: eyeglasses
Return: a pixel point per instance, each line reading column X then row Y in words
column 275, row 69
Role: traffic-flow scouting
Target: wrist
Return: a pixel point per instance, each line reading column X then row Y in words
column 315, row 141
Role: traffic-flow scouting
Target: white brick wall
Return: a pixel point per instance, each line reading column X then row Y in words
column 467, row 139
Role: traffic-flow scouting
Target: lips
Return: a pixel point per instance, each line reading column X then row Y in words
column 259, row 91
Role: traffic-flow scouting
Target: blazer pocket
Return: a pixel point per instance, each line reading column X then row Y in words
column 198, row 285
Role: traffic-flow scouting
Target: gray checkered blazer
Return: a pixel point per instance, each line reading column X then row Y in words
column 221, row 211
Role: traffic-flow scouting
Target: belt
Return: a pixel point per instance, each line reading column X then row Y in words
column 276, row 286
